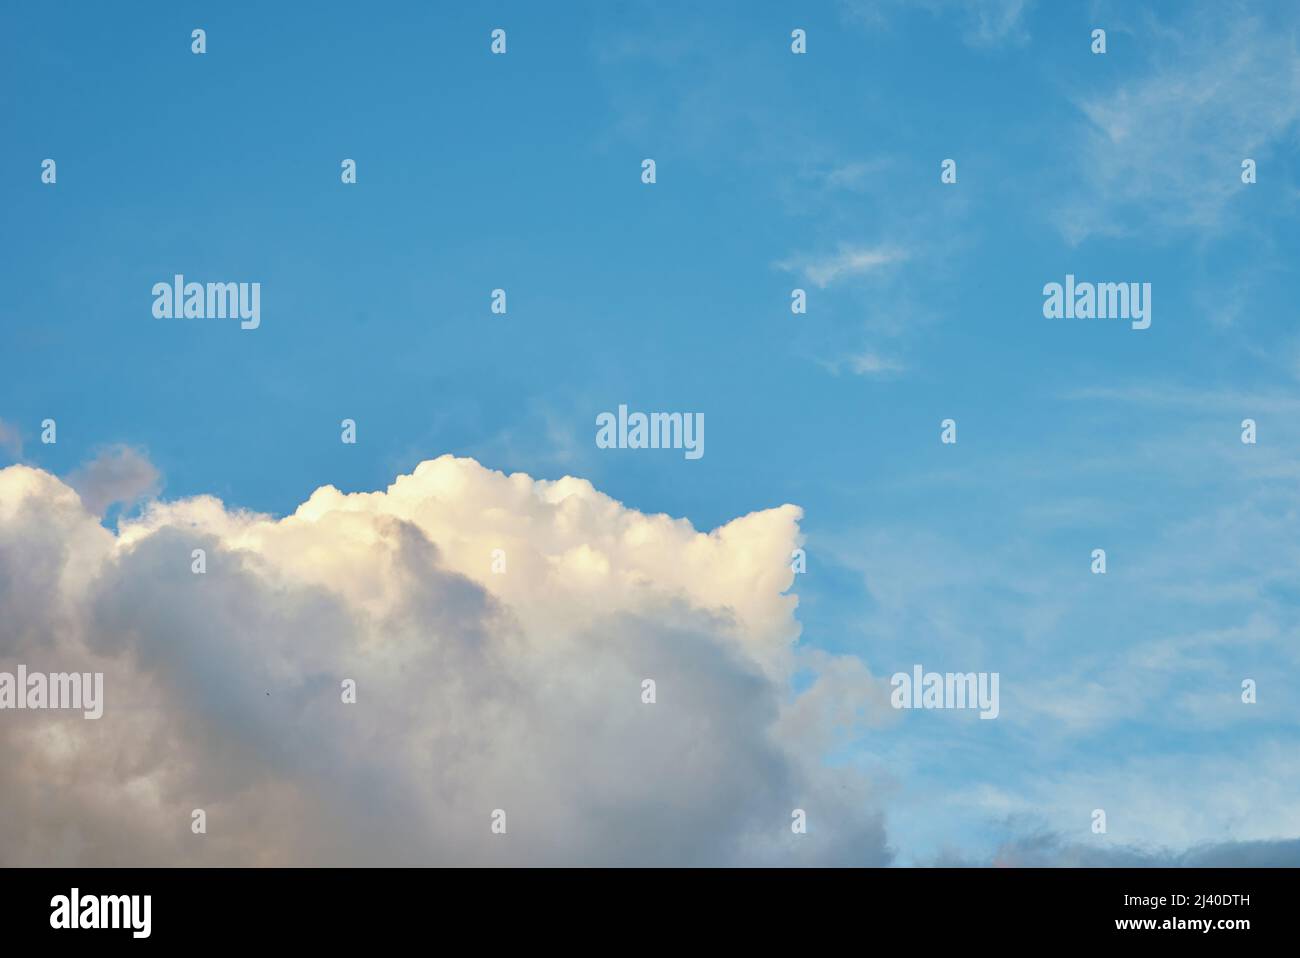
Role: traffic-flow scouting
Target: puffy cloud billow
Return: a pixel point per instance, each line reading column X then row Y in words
column 484, row 680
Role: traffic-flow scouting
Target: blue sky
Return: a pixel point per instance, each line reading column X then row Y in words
column 775, row 171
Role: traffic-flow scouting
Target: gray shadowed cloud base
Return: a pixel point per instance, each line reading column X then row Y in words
column 118, row 474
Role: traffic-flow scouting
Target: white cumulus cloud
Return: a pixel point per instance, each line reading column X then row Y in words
column 476, row 690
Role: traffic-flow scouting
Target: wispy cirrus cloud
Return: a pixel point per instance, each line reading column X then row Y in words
column 876, row 272
column 848, row 174
column 1163, row 150
column 1144, row 796
column 848, row 261
column 866, row 363
column 983, row 23
column 1176, row 395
